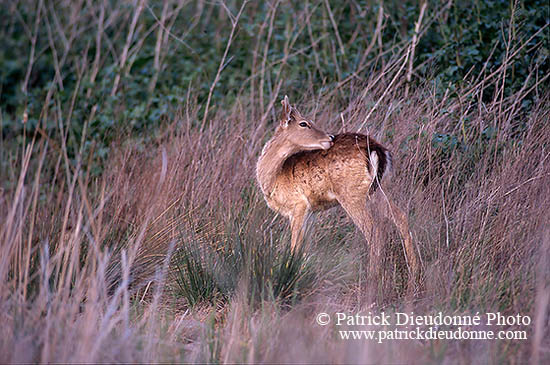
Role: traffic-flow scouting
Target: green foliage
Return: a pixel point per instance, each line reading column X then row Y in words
column 278, row 274
column 194, row 277
column 473, row 36
column 268, row 271
column 467, row 37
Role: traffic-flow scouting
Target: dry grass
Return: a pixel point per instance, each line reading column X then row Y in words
column 85, row 261
column 88, row 264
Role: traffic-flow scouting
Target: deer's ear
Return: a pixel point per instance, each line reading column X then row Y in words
column 287, row 112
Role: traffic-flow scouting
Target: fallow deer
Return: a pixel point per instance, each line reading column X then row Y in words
column 303, row 170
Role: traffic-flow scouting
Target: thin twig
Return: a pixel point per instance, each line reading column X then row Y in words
column 126, row 48
column 266, row 48
column 222, row 62
column 158, row 45
column 377, row 31
column 386, row 90
column 413, row 46
column 335, row 27
column 97, row 58
column 168, row 30
column 33, row 47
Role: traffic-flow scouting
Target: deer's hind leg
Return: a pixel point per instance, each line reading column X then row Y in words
column 356, row 208
column 398, row 216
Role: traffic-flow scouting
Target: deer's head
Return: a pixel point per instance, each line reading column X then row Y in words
column 301, row 132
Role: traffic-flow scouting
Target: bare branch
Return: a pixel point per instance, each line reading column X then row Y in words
column 129, row 37
column 413, row 46
column 222, row 62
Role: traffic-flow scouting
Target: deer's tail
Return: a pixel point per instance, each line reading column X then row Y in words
column 380, row 160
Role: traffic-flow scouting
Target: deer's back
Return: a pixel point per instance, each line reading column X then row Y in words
column 323, row 176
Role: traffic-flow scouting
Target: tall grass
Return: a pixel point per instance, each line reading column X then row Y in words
column 89, row 275
column 169, row 253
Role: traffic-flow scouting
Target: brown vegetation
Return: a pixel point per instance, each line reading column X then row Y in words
column 478, row 214
column 168, row 251
column 303, row 170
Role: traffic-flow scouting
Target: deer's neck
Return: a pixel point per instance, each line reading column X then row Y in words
column 271, row 161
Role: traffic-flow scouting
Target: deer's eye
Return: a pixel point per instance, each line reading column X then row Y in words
column 303, row 124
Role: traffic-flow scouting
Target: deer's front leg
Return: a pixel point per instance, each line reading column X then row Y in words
column 297, row 220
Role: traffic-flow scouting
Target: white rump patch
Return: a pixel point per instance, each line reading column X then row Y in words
column 374, row 163
column 373, row 157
